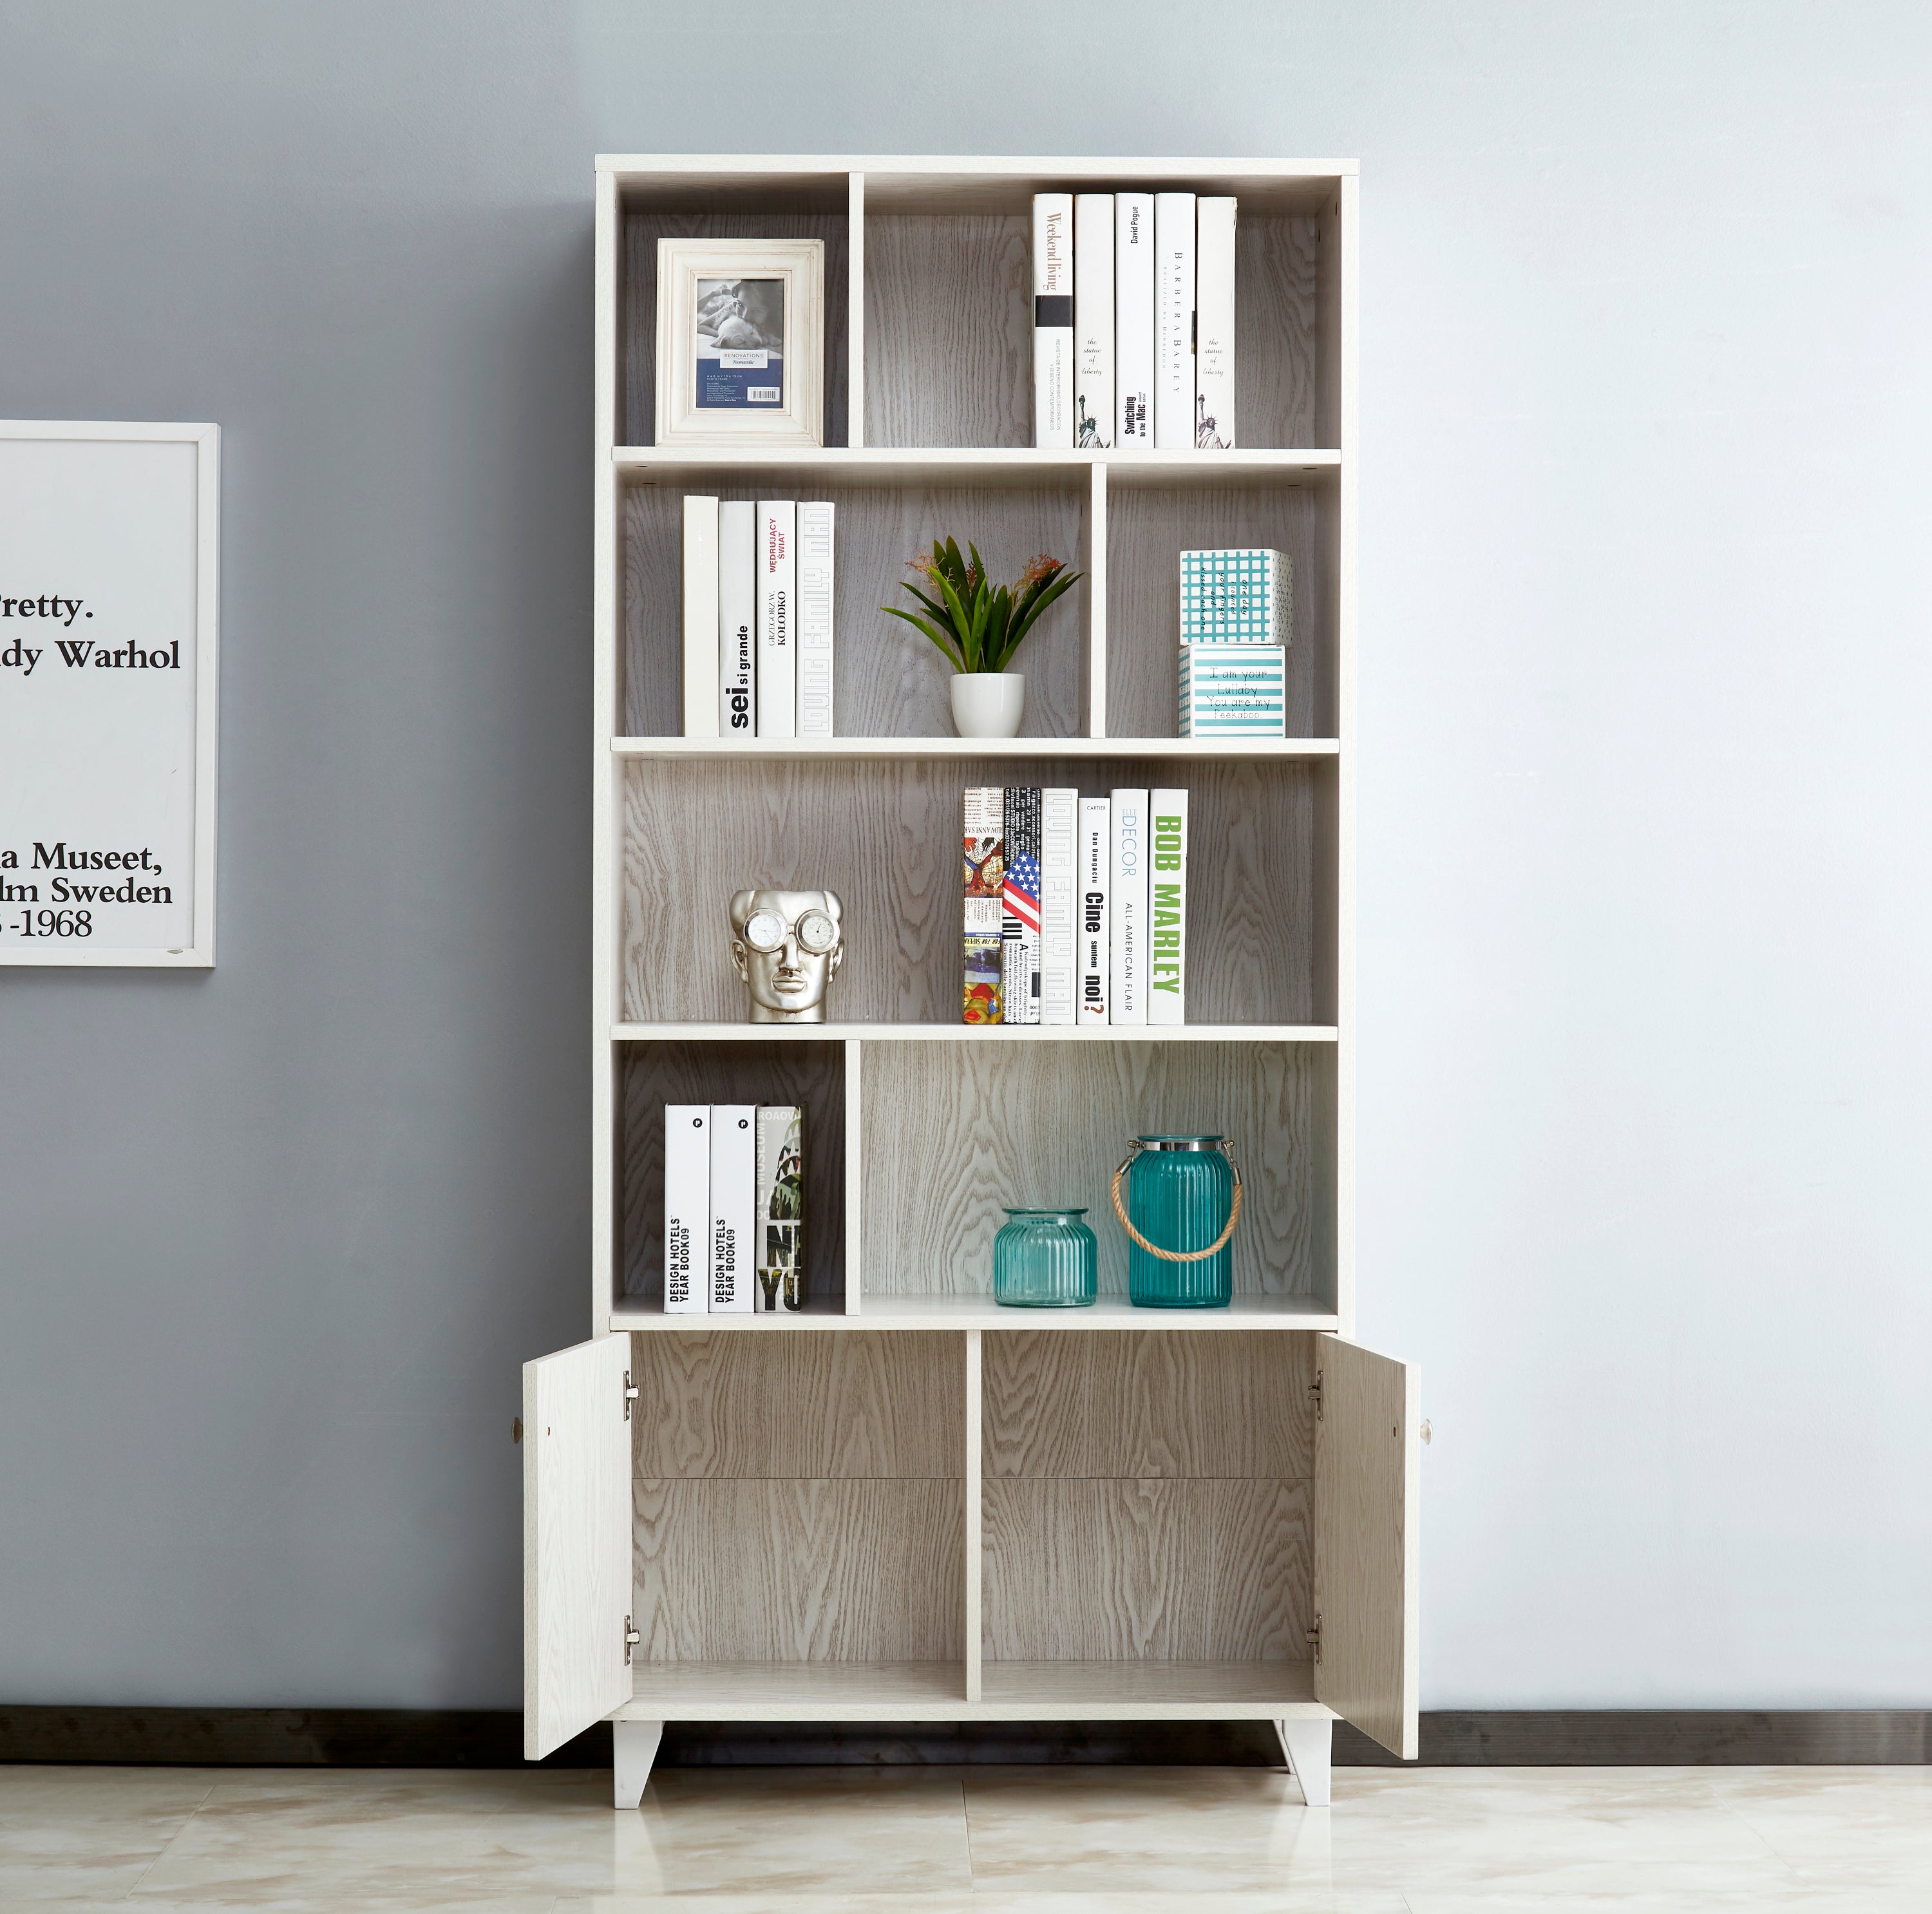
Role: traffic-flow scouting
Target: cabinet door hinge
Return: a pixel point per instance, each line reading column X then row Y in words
column 1315, row 1642
column 630, row 1394
column 1314, row 1394
column 632, row 1638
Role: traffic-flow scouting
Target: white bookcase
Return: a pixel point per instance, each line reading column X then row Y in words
column 904, row 1503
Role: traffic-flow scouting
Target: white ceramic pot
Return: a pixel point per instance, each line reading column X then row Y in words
column 988, row 704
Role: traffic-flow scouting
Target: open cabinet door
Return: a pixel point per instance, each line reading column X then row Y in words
column 1367, row 1467
column 577, row 1540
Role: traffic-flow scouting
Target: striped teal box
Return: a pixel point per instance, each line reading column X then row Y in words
column 1236, row 691
column 1241, row 597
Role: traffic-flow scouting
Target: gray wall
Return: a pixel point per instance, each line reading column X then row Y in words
column 1644, row 1124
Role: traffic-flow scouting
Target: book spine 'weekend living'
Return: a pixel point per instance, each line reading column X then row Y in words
column 1214, row 326
column 737, row 618
column 1020, row 897
column 1174, row 322
column 734, row 1202
column 700, row 616
column 1053, row 320
column 781, row 1219
column 778, row 606
column 1133, row 321
column 1093, row 319
column 1167, row 908
column 1093, row 878
column 1127, row 907
column 983, row 882
column 687, row 1208
column 1059, row 851
column 814, row 620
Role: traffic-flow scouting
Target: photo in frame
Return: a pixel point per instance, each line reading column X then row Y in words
column 741, row 341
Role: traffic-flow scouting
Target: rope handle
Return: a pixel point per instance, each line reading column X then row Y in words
column 1178, row 1256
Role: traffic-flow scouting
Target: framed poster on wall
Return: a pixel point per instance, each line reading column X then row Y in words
column 110, row 583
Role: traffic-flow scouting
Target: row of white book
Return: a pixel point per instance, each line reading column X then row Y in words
column 734, row 1208
column 1133, row 321
column 1075, row 908
column 757, row 618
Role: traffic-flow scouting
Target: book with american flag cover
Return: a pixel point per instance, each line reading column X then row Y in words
column 982, row 881
column 1019, row 926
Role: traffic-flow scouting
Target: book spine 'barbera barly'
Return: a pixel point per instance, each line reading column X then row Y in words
column 1167, row 908
column 1059, row 830
column 737, row 618
column 1133, row 321
column 1214, row 326
column 778, row 604
column 734, row 1197
column 1053, row 320
column 1127, row 905
column 781, row 1217
column 1174, row 322
column 1093, row 877
column 701, row 617
column 814, row 621
column 1020, row 901
column 983, row 884
column 1093, row 319
column 687, row 1208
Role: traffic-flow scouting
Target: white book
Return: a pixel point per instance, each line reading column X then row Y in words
column 1093, row 318
column 1127, row 901
column 1133, row 321
column 1093, row 877
column 1053, row 320
column 780, row 1218
column 1214, row 326
column 701, row 617
column 1167, row 908
column 814, row 620
column 737, row 618
column 687, row 1208
column 777, row 639
column 734, row 1196
column 1174, row 322
column 1059, row 829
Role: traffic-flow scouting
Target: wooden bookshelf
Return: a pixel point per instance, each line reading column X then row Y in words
column 904, row 1502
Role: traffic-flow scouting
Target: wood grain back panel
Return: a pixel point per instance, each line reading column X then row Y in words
column 949, row 1142
column 1284, row 393
column 727, row 1405
column 885, row 836
column 652, row 1075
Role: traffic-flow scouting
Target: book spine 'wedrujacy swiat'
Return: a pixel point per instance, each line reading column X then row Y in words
column 1093, row 319
column 982, row 884
column 780, row 1218
column 700, row 616
column 1214, row 326
column 1020, row 900
column 1059, row 831
column 1053, row 320
column 777, row 609
column 734, row 1197
column 1093, row 879
column 1174, row 322
column 737, row 618
column 814, row 620
column 687, row 1208
column 1127, row 904
column 1167, row 908
column 1133, row 321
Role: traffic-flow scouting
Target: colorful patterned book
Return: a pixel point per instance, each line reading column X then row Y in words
column 983, row 882
column 1020, row 902
column 780, row 1206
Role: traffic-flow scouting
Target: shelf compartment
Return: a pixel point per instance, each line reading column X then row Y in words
column 1147, row 1691
column 797, row 1691
column 884, row 835
column 944, row 1150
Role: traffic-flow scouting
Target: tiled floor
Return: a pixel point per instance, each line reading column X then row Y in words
column 1134, row 1841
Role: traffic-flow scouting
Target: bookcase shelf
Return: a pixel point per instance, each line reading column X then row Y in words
column 948, row 1510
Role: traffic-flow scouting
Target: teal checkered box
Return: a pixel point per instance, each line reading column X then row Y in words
column 1242, row 597
column 1233, row 690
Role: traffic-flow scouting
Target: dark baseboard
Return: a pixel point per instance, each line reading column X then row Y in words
column 480, row 1738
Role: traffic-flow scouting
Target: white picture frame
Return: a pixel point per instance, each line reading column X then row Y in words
column 113, row 763
column 722, row 303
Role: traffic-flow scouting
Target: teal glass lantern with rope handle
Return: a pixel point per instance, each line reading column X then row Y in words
column 1183, row 1201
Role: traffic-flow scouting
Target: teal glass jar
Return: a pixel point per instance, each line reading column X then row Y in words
column 1045, row 1259
column 1183, row 1197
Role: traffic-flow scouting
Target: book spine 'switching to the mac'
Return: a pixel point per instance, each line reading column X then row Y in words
column 1167, row 908
column 1059, row 831
column 1133, row 321
column 1174, row 322
column 734, row 1200
column 700, row 616
column 1093, row 319
column 1053, row 320
column 737, row 618
column 814, row 620
column 1093, row 878
column 1127, row 906
column 687, row 1208
column 778, row 610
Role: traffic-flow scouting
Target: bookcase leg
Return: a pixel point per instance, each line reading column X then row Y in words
column 634, row 1744
column 1305, row 1743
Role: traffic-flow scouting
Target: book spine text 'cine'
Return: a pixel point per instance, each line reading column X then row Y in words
column 1133, row 321
column 737, row 618
column 1128, row 907
column 1174, row 322
column 1093, row 319
column 814, row 620
column 734, row 1202
column 1167, row 908
column 777, row 609
column 687, row 1208
column 1214, row 326
column 1059, row 831
column 700, row 616
column 1093, row 879
column 1053, row 320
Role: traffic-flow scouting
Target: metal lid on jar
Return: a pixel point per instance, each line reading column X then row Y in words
column 1180, row 1142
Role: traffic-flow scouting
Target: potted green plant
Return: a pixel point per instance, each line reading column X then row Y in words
column 978, row 626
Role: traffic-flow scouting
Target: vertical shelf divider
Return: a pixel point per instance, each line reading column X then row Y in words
column 855, row 1174
column 855, row 309
column 975, row 1517
column 1096, row 603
